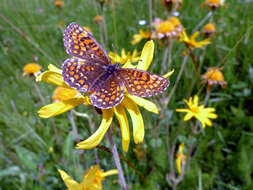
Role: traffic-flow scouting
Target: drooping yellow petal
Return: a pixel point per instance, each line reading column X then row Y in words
column 95, row 139
column 135, row 114
column 54, row 69
column 148, row 105
column 52, row 77
column 70, row 183
column 124, row 127
column 146, row 55
column 167, row 75
column 54, row 109
column 110, row 172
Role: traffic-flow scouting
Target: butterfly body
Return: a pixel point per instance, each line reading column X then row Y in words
column 90, row 71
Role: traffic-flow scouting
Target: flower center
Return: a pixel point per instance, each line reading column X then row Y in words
column 195, row 109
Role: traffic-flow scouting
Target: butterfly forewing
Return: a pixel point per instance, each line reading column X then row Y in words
column 81, row 74
column 142, row 83
column 80, row 43
column 108, row 93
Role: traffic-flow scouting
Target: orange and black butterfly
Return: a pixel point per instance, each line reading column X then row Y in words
column 91, row 71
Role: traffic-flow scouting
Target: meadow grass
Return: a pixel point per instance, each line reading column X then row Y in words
column 29, row 153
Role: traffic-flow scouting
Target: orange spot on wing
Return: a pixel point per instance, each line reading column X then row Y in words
column 76, row 77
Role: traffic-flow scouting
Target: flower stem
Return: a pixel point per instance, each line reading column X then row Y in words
column 117, row 160
column 150, row 13
column 73, row 124
column 39, row 93
column 178, row 78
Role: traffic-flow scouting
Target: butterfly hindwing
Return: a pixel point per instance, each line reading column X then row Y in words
column 80, row 43
column 81, row 74
column 108, row 93
column 143, row 83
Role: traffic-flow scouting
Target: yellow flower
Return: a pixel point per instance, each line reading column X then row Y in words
column 129, row 103
column 214, row 76
column 191, row 42
column 59, row 4
column 171, row 27
column 124, row 58
column 177, row 25
column 181, row 159
column 209, row 30
column 199, row 112
column 213, row 4
column 142, row 35
column 91, row 179
column 164, row 29
column 32, row 69
column 62, row 93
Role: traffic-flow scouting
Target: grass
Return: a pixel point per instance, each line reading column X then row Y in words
column 29, row 153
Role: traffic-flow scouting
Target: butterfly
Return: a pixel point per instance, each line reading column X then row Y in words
column 90, row 71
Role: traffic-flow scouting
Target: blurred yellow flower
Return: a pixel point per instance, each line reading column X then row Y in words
column 59, row 4
column 32, row 69
column 124, row 57
column 191, row 42
column 199, row 112
column 181, row 159
column 92, row 179
column 213, row 4
column 141, row 35
column 177, row 25
column 208, row 30
column 214, row 76
column 165, row 29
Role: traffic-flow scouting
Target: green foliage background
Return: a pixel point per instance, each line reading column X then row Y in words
column 223, row 157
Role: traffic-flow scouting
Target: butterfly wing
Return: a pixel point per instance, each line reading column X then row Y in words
column 143, row 83
column 108, row 93
column 80, row 43
column 81, row 74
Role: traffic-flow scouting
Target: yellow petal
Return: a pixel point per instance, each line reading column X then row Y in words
column 138, row 125
column 89, row 177
column 110, row 172
column 167, row 75
column 178, row 164
column 54, row 69
column 188, row 116
column 54, row 109
column 70, row 183
column 124, row 127
column 148, row 105
column 52, row 77
column 182, row 110
column 146, row 55
column 137, row 39
column 95, row 139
